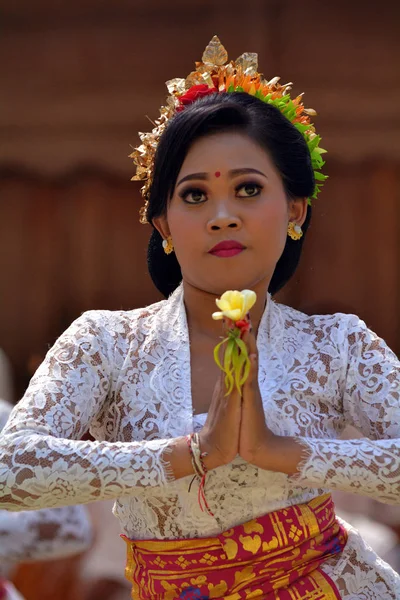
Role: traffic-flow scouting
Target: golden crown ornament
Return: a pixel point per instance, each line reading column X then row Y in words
column 215, row 74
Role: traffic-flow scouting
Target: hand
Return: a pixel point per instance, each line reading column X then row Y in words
column 258, row 445
column 220, row 434
column 256, row 439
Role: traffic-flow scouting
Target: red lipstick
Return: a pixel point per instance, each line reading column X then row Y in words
column 227, row 249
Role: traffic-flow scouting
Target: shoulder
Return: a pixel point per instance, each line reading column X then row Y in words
column 106, row 330
column 347, row 331
column 114, row 321
column 320, row 325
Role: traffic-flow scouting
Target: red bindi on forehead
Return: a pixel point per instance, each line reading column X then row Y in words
column 217, row 173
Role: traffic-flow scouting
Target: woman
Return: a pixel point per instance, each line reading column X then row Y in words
column 227, row 194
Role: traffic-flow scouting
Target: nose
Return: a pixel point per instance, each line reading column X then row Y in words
column 223, row 220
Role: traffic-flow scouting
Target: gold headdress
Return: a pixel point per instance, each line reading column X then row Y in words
column 215, row 74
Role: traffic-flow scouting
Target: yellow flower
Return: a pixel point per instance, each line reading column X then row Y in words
column 235, row 305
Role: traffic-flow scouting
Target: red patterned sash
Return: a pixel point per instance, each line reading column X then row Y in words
column 275, row 557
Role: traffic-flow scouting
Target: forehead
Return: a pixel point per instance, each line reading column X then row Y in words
column 225, row 151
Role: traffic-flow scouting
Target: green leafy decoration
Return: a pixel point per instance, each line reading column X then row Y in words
column 236, row 361
column 288, row 109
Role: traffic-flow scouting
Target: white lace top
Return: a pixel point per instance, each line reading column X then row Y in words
column 41, row 534
column 126, row 375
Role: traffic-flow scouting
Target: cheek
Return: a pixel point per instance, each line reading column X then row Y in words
column 187, row 229
column 271, row 224
column 185, row 236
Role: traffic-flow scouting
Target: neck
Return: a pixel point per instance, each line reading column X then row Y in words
column 200, row 305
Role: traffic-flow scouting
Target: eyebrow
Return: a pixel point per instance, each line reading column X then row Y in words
column 233, row 173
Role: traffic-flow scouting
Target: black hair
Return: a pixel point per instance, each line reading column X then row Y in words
column 217, row 113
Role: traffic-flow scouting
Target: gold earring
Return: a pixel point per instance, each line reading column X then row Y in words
column 168, row 245
column 294, row 231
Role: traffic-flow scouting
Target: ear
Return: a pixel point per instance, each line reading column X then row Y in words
column 161, row 224
column 298, row 210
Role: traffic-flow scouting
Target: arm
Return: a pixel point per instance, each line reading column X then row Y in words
column 46, row 533
column 371, row 402
column 43, row 462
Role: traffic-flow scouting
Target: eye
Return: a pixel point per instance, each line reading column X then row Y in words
column 193, row 196
column 248, row 190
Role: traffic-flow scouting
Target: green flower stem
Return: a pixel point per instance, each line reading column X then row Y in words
column 236, row 360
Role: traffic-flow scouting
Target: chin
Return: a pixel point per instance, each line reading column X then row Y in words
column 218, row 281
column 230, row 283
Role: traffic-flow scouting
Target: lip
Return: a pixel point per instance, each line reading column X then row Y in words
column 227, row 248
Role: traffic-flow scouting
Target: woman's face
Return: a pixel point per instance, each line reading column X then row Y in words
column 228, row 191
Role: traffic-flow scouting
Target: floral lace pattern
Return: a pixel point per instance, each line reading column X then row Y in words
column 126, row 375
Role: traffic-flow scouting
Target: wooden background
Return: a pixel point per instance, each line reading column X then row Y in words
column 77, row 82
column 80, row 80
column 75, row 244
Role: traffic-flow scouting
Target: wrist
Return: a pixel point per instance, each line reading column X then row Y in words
column 281, row 454
column 213, row 458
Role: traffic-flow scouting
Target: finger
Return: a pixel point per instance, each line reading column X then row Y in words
column 250, row 340
column 252, row 380
column 228, row 324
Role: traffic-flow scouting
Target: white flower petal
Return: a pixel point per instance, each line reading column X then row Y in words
column 217, row 316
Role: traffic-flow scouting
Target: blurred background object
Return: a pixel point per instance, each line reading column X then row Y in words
column 6, row 381
column 102, row 570
column 78, row 80
column 38, row 536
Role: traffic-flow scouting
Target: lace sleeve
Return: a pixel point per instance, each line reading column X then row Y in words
column 41, row 534
column 43, row 462
column 371, row 402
